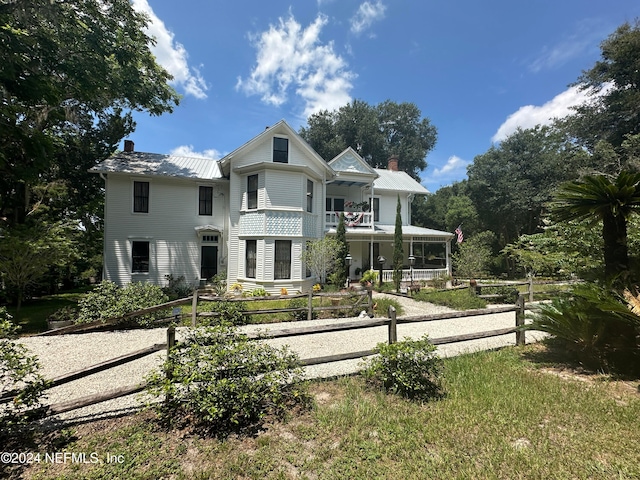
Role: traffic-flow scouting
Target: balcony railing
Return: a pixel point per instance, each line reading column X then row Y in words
column 351, row 219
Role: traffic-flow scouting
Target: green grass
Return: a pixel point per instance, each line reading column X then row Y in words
column 503, row 417
column 33, row 314
column 456, row 299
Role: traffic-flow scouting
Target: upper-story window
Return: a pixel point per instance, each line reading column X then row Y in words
column 376, row 209
column 141, row 197
column 252, row 191
column 205, row 201
column 335, row 204
column 309, row 196
column 280, row 150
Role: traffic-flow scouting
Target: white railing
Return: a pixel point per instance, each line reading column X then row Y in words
column 351, row 219
column 418, row 274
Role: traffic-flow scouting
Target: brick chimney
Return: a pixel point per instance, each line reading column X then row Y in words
column 128, row 146
column 393, row 163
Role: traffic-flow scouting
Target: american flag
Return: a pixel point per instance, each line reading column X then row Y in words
column 458, row 232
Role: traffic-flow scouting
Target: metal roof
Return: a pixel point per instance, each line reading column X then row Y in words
column 410, row 230
column 141, row 163
column 397, row 181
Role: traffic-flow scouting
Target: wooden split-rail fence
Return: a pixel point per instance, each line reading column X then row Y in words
column 391, row 322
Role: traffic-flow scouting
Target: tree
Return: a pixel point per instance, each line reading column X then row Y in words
column 614, row 84
column 474, row 258
column 511, row 183
column 69, row 70
column 376, row 132
column 595, row 198
column 398, row 250
column 320, row 257
column 339, row 276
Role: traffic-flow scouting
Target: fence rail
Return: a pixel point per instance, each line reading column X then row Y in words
column 392, row 323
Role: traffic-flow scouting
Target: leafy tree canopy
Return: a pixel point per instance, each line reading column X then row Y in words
column 615, row 114
column 70, row 73
column 376, row 132
column 511, row 183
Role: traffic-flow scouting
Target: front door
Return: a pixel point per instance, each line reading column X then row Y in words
column 208, row 262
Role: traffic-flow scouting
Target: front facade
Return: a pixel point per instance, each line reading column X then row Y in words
column 252, row 213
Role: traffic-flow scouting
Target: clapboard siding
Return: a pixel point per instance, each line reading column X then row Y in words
column 169, row 227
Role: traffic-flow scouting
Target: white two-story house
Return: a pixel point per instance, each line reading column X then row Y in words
column 251, row 214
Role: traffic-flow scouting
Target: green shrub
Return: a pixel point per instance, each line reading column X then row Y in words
column 382, row 307
column 19, row 371
column 63, row 314
column 409, row 368
column 456, row 299
column 508, row 294
column 218, row 283
column 223, row 382
column 108, row 300
column 300, row 314
column 177, row 287
column 259, row 292
column 595, row 323
column 230, row 312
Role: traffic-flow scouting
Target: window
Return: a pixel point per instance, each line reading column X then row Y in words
column 141, row 197
column 282, row 267
column 210, row 239
column 309, row 196
column 139, row 257
column 280, row 150
column 376, row 209
column 250, row 259
column 307, row 269
column 252, row 191
column 335, row 204
column 206, row 201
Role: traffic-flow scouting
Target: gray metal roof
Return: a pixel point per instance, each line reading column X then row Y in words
column 410, row 230
column 396, row 180
column 141, row 163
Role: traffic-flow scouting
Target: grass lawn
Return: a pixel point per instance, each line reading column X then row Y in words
column 33, row 314
column 515, row 413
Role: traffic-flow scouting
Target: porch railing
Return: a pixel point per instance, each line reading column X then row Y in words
column 351, row 219
column 418, row 274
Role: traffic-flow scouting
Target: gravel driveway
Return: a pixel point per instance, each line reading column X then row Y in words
column 66, row 353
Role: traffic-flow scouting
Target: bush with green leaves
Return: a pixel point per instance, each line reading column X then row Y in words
column 595, row 323
column 301, row 303
column 460, row 299
column 19, row 372
column 230, row 312
column 381, row 307
column 259, row 292
column 177, row 287
column 410, row 368
column 108, row 300
column 222, row 382
column 64, row 314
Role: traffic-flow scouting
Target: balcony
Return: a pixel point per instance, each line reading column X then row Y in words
column 351, row 219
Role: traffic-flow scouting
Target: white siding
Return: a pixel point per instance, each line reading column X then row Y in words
column 169, row 227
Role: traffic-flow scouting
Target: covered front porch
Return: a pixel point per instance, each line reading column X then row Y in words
column 430, row 249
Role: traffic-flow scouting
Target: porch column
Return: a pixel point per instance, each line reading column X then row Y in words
column 448, row 255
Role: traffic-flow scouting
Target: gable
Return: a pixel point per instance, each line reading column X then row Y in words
column 350, row 162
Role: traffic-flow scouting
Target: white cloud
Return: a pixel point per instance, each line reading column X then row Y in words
column 588, row 35
column 454, row 166
column 367, row 13
column 290, row 57
column 171, row 54
column 188, row 151
column 531, row 115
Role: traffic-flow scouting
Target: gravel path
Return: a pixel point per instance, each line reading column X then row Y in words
column 66, row 353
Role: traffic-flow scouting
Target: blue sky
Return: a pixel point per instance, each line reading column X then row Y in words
column 476, row 69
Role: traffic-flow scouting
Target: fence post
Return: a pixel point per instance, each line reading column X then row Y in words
column 370, row 302
column 393, row 330
column 194, row 308
column 171, row 341
column 520, row 340
column 310, row 306
column 530, row 288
